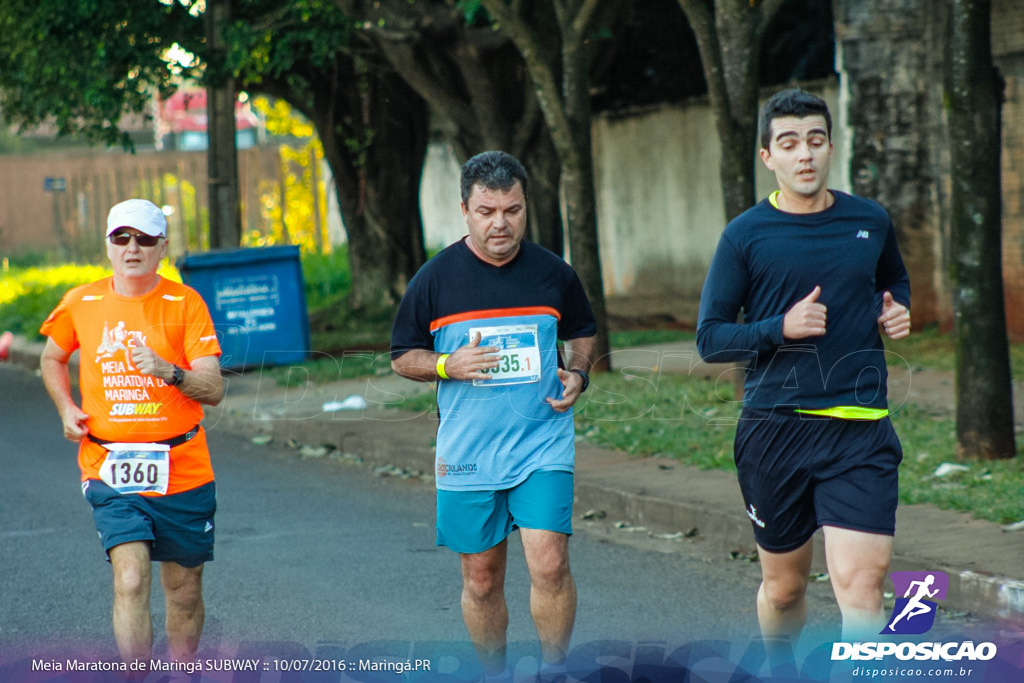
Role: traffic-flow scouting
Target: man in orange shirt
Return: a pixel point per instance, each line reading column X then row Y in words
column 148, row 361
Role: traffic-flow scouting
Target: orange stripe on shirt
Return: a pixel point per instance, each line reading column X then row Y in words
column 494, row 313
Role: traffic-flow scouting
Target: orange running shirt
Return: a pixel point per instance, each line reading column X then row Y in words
column 123, row 404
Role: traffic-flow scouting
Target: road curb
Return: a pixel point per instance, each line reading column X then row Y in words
column 676, row 501
column 401, row 443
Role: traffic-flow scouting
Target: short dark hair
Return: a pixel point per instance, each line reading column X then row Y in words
column 792, row 102
column 494, row 170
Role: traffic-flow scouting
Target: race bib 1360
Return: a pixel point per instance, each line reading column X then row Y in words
column 136, row 467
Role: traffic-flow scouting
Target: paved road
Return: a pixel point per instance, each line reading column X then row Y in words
column 318, row 555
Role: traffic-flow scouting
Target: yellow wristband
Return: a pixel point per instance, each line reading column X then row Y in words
column 440, row 365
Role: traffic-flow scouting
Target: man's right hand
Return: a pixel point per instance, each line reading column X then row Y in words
column 472, row 360
column 806, row 318
column 74, row 419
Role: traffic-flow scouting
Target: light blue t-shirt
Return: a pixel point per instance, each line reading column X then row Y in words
column 494, row 433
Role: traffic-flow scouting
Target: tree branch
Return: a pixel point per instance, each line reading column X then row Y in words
column 402, row 57
column 530, row 120
column 700, row 14
column 769, row 8
column 489, row 116
column 549, row 94
column 580, row 24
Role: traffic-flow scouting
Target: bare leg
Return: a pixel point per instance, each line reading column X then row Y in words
column 183, row 593
column 133, row 628
column 782, row 601
column 552, row 591
column 858, row 563
column 483, row 604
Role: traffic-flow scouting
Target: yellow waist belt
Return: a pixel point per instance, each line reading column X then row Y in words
column 848, row 412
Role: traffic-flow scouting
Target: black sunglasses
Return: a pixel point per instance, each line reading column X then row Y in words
column 121, row 239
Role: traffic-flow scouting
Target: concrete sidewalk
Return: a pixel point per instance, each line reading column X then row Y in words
column 985, row 564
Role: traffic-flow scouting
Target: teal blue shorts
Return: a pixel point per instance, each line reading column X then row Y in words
column 474, row 521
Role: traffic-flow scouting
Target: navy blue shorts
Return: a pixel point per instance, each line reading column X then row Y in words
column 178, row 527
column 474, row 521
column 800, row 472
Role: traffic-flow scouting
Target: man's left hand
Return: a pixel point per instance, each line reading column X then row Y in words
column 572, row 383
column 895, row 318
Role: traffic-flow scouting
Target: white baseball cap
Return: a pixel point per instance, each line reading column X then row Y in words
column 141, row 214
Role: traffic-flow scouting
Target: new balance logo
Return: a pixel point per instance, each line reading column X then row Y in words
column 863, row 235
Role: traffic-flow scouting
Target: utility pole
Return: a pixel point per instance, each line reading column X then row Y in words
column 222, row 154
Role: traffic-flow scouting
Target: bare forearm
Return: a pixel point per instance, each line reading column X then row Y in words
column 468, row 362
column 201, row 382
column 580, row 353
column 57, row 380
column 203, row 385
column 419, row 365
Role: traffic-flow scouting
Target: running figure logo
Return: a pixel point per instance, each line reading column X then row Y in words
column 914, row 613
column 114, row 340
column 118, row 339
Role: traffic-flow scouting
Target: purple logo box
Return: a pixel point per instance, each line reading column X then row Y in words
column 916, row 593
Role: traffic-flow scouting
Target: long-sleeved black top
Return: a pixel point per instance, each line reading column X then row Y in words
column 766, row 261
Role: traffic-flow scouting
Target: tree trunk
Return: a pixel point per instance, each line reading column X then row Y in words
column 578, row 188
column 375, row 140
column 562, row 82
column 477, row 83
column 889, row 55
column 541, row 161
column 729, row 37
column 974, row 89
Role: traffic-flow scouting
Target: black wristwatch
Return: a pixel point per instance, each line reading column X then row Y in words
column 585, row 376
column 178, row 377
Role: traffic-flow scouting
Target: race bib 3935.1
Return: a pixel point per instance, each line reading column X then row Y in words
column 519, row 352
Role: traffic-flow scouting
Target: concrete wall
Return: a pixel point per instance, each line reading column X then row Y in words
column 439, row 198
column 660, row 202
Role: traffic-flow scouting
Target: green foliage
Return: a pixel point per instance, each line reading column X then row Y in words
column 277, row 41
column 27, row 295
column 348, row 343
column 989, row 489
column 84, row 64
column 936, row 351
column 298, row 209
column 625, row 339
column 686, row 418
column 692, row 421
column 339, row 328
column 25, row 259
column 470, row 9
column 327, row 367
column 327, row 277
column 194, row 219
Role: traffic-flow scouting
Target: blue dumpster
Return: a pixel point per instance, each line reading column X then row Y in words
column 257, row 301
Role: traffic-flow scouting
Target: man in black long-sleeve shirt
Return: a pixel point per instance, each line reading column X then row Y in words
column 817, row 274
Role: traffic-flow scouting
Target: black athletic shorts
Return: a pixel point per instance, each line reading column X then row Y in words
column 801, row 472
